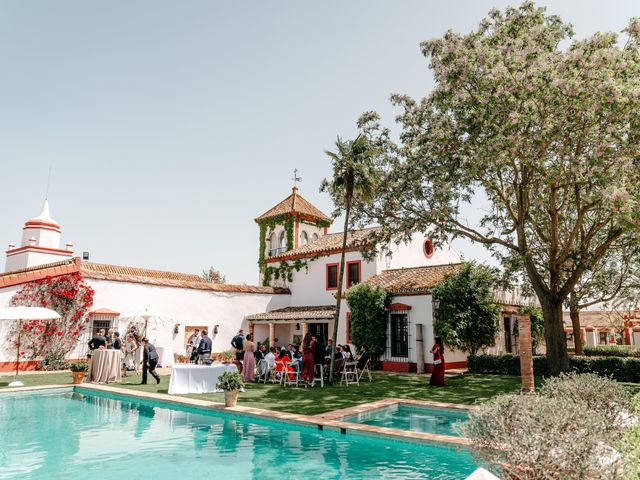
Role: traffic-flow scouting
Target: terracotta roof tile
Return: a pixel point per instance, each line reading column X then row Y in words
column 295, row 203
column 413, row 280
column 324, row 312
column 328, row 244
column 25, row 275
column 139, row 272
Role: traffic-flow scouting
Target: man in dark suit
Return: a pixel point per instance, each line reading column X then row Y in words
column 364, row 357
column 204, row 349
column 99, row 340
column 149, row 361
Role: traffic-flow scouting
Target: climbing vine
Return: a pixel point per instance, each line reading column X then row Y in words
column 285, row 269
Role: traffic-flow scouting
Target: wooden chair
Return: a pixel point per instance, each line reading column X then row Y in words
column 349, row 374
column 364, row 370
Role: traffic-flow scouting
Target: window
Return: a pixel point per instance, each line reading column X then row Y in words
column 399, row 325
column 603, row 338
column 282, row 243
column 353, row 273
column 332, row 276
column 304, row 238
column 314, row 237
column 427, row 248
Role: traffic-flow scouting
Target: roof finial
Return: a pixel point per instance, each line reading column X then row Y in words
column 296, row 179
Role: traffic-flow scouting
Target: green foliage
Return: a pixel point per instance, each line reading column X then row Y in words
column 78, row 366
column 511, row 99
column 368, row 320
column 283, row 271
column 467, row 317
column 571, row 429
column 230, row 381
column 611, row 351
column 620, row 369
column 52, row 361
column 537, row 324
column 227, row 356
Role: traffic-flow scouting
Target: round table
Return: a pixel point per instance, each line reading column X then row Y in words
column 106, row 366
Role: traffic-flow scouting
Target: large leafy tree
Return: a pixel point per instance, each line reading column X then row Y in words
column 467, row 317
column 355, row 179
column 547, row 130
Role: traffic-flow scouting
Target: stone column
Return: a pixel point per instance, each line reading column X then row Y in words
column 305, row 329
column 251, row 328
column 272, row 334
column 526, row 353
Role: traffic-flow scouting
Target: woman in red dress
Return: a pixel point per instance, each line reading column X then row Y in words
column 437, row 376
column 308, row 368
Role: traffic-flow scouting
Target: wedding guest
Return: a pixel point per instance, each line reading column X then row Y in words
column 99, row 340
column 110, row 339
column 117, row 343
column 319, row 351
column 149, row 361
column 249, row 365
column 308, row 368
column 237, row 343
column 363, row 358
column 271, row 356
column 204, row 349
column 129, row 360
column 437, row 376
column 192, row 345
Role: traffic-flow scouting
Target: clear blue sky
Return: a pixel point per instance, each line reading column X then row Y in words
column 170, row 125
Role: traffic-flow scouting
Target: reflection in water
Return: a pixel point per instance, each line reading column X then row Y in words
column 71, row 436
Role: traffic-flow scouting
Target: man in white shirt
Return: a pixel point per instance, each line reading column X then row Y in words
column 194, row 342
column 271, row 357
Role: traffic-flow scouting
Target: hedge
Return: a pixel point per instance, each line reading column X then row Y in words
column 612, row 351
column 618, row 368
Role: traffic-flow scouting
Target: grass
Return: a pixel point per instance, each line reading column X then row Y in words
column 466, row 389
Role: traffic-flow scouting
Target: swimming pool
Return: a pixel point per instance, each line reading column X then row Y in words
column 92, row 435
column 411, row 417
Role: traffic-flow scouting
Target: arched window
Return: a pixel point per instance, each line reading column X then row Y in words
column 304, row 238
column 272, row 241
column 314, row 237
column 427, row 248
column 282, row 242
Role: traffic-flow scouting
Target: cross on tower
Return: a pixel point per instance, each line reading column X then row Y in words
column 296, row 178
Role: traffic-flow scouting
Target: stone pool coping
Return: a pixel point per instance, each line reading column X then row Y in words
column 331, row 421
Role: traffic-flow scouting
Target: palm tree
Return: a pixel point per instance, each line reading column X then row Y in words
column 354, row 178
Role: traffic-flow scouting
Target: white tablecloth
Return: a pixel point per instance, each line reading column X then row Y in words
column 186, row 378
column 165, row 356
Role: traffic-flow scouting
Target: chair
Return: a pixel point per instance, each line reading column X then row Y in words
column 349, row 374
column 292, row 376
column 338, row 366
column 263, row 370
column 318, row 375
column 364, row 370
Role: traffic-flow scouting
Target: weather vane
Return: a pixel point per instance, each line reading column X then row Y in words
column 296, row 178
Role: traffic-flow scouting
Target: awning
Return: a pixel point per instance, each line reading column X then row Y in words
column 317, row 314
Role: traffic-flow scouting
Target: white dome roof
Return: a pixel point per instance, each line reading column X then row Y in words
column 44, row 217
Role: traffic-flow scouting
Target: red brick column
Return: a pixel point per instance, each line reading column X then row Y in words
column 526, row 353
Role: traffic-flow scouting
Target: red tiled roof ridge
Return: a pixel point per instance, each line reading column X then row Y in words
column 60, row 263
column 294, row 203
column 423, row 266
column 140, row 271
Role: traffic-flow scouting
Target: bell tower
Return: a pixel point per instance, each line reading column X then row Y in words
column 40, row 243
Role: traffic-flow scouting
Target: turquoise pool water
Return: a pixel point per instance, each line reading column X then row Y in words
column 61, row 434
column 409, row 417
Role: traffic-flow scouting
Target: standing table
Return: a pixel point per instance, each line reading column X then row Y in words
column 106, row 366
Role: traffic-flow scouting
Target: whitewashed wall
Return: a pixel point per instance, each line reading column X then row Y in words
column 184, row 306
column 408, row 255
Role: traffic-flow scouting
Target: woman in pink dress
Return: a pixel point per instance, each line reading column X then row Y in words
column 249, row 364
column 437, row 376
column 308, row 360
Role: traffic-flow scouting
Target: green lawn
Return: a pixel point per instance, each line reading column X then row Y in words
column 466, row 389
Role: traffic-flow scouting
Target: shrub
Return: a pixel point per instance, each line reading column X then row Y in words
column 611, row 351
column 78, row 366
column 368, row 319
column 564, row 432
column 52, row 361
column 227, row 356
column 620, row 369
column 230, row 381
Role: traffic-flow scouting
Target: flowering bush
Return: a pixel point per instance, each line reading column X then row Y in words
column 51, row 340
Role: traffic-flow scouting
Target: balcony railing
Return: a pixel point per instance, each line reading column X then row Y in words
column 276, row 251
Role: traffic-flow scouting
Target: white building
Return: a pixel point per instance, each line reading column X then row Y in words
column 298, row 272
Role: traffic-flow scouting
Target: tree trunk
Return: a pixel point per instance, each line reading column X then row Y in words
column 339, row 292
column 555, row 338
column 574, row 314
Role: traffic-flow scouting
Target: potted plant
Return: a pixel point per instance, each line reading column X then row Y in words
column 231, row 383
column 79, row 370
column 227, row 356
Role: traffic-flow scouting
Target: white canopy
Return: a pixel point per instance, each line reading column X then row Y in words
column 153, row 318
column 28, row 313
